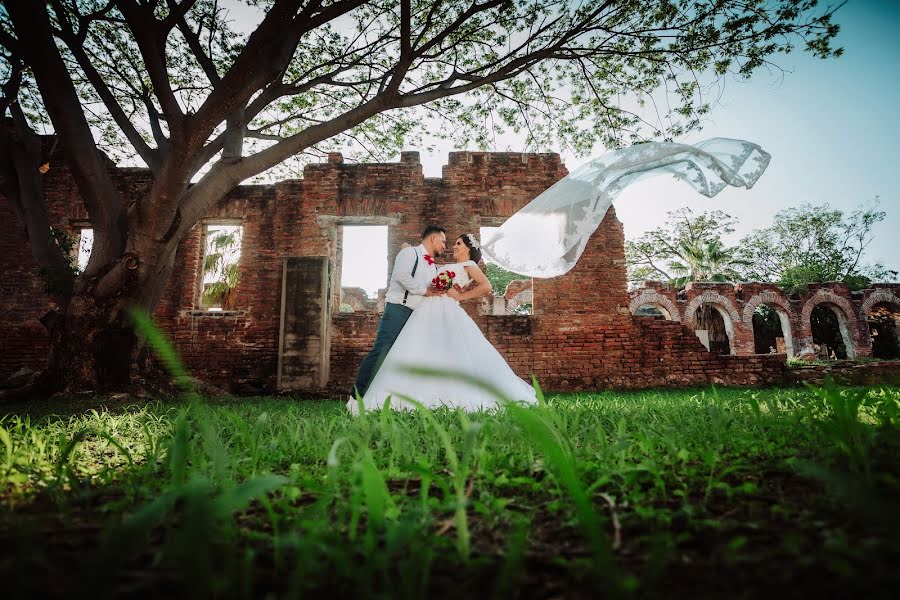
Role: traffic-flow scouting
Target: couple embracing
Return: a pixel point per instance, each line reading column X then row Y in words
column 423, row 325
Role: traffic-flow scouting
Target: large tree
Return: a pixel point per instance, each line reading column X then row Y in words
column 199, row 100
column 814, row 243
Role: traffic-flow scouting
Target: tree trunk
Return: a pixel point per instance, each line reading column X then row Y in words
column 93, row 345
column 708, row 318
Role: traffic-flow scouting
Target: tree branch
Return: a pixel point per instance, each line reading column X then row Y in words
column 21, row 158
column 150, row 36
column 74, row 41
column 32, row 25
column 193, row 40
column 225, row 175
column 162, row 142
column 263, row 60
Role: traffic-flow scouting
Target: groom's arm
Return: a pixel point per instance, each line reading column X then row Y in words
column 403, row 266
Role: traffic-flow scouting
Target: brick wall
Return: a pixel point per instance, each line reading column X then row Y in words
column 23, row 339
column 581, row 336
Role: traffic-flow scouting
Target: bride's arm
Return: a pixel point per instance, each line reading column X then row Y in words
column 482, row 286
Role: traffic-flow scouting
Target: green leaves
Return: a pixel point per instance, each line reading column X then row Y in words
column 807, row 244
column 237, row 494
column 220, row 266
column 563, row 74
column 689, row 249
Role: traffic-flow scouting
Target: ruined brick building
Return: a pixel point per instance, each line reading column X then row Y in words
column 283, row 327
column 850, row 324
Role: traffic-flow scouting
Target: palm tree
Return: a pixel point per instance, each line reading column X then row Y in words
column 705, row 261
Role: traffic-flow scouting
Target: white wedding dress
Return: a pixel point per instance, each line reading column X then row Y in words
column 440, row 335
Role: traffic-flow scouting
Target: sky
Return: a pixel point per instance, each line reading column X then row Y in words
column 832, row 128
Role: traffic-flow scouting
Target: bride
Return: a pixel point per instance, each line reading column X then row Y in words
column 440, row 335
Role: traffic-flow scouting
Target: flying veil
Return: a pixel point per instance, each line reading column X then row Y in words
column 547, row 236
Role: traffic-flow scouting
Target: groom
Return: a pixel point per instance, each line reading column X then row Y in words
column 413, row 271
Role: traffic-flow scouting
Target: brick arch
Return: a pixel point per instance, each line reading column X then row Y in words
column 828, row 296
column 849, row 327
column 651, row 297
column 767, row 297
column 878, row 297
column 785, row 316
column 710, row 297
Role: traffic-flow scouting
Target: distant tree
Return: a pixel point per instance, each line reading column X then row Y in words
column 710, row 261
column 689, row 248
column 808, row 244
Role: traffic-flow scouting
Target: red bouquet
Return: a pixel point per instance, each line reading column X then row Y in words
column 443, row 281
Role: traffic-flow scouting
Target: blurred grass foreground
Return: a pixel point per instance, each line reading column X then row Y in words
column 710, row 492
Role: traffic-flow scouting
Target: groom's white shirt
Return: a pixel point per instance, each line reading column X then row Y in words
column 402, row 281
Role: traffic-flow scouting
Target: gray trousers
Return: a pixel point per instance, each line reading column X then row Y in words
column 392, row 321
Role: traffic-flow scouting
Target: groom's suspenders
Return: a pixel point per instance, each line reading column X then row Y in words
column 413, row 274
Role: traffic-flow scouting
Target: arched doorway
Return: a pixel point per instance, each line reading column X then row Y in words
column 884, row 329
column 650, row 303
column 714, row 327
column 654, row 311
column 830, row 333
column 772, row 331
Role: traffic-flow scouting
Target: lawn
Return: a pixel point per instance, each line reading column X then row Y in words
column 661, row 493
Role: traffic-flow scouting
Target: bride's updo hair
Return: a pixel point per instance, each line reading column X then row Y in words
column 473, row 246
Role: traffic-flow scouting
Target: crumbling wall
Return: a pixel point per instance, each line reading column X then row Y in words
column 582, row 335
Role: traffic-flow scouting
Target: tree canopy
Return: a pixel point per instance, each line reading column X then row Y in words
column 689, row 248
column 805, row 244
column 814, row 243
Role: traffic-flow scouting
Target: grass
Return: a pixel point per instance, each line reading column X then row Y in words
column 705, row 493
column 654, row 493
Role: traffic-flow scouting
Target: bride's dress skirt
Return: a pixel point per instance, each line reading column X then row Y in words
column 440, row 335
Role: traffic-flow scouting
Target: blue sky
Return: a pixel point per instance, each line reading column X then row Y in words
column 832, row 128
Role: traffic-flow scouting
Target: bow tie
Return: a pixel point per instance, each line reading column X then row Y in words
column 428, row 259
